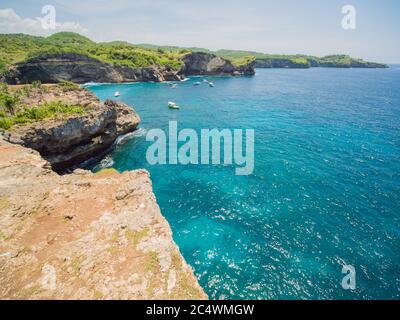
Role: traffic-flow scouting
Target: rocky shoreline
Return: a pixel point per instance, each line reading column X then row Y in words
column 68, row 141
column 84, row 236
column 78, row 68
column 81, row 235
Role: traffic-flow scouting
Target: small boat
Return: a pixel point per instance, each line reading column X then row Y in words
column 117, row 94
column 197, row 83
column 212, row 85
column 172, row 105
column 174, row 86
column 205, row 80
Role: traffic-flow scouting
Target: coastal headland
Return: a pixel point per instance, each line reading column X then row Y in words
column 83, row 235
column 79, row 235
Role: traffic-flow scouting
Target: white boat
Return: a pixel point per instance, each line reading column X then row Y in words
column 117, row 94
column 172, row 105
column 205, row 80
column 174, row 86
column 212, row 85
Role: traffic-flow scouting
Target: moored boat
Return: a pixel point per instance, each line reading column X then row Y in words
column 172, row 105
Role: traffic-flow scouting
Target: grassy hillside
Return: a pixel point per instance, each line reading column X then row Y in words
column 276, row 60
column 301, row 61
column 14, row 110
column 19, row 47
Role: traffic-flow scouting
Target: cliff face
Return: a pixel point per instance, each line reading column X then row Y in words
column 65, row 142
column 311, row 62
column 84, row 235
column 280, row 63
column 199, row 63
column 53, row 68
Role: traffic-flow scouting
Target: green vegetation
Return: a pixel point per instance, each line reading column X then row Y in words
column 242, row 61
column 13, row 111
column 238, row 58
column 16, row 48
column 20, row 47
column 299, row 61
column 68, row 86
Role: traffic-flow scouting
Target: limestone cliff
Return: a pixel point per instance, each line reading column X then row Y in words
column 54, row 68
column 84, row 235
column 65, row 142
column 199, row 63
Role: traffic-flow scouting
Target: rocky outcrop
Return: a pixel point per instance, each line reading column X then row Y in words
column 313, row 62
column 127, row 119
column 65, row 142
column 281, row 63
column 156, row 74
column 84, row 236
column 199, row 63
column 54, row 68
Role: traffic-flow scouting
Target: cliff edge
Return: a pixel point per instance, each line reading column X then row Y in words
column 65, row 123
column 84, row 235
column 79, row 68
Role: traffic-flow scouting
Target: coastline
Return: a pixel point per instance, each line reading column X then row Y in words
column 92, row 236
column 84, row 235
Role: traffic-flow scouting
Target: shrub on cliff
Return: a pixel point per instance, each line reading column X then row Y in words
column 68, row 86
column 25, row 114
column 17, row 48
column 8, row 102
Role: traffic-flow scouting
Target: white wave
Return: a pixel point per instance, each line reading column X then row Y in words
column 91, row 84
column 105, row 163
column 138, row 133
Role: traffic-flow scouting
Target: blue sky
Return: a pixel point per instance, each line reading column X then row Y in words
column 284, row 26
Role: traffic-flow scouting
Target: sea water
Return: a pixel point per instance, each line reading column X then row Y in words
column 325, row 192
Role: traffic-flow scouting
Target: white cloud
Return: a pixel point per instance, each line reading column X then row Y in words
column 10, row 22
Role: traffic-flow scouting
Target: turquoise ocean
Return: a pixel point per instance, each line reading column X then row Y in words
column 325, row 191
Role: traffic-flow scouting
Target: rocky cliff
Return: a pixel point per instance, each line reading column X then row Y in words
column 84, row 235
column 54, row 68
column 305, row 62
column 67, row 141
column 281, row 63
column 199, row 63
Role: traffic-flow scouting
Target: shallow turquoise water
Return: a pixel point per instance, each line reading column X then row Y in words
column 325, row 191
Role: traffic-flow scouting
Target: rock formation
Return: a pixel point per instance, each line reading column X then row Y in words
column 84, row 235
column 200, row 63
column 69, row 141
column 339, row 61
column 54, row 68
